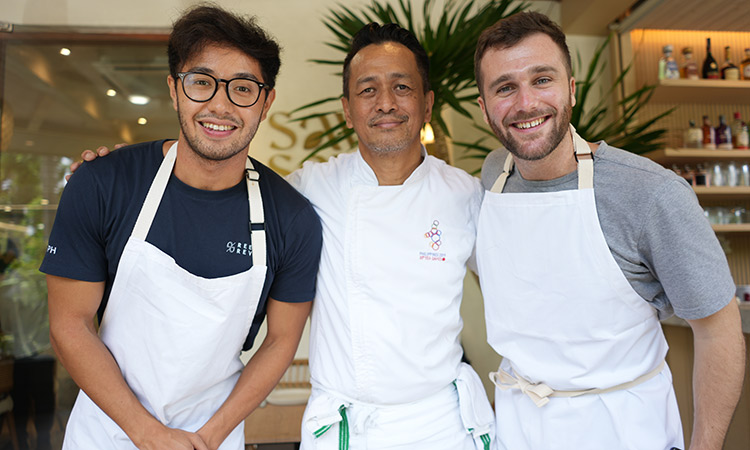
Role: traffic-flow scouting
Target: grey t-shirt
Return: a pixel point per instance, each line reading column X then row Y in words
column 654, row 227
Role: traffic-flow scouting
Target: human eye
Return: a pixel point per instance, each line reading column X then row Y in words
column 368, row 91
column 199, row 80
column 243, row 87
column 504, row 89
column 403, row 88
column 543, row 80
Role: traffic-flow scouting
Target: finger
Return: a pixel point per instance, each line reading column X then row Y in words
column 197, row 442
column 120, row 145
column 88, row 155
column 102, row 151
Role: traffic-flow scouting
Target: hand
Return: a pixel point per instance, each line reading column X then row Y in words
column 172, row 439
column 89, row 155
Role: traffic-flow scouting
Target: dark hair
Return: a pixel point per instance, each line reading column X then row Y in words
column 374, row 33
column 508, row 32
column 208, row 24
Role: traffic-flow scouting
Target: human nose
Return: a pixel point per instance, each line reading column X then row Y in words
column 220, row 101
column 526, row 98
column 386, row 102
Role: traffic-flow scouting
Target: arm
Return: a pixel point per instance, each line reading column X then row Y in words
column 718, row 372
column 72, row 307
column 285, row 324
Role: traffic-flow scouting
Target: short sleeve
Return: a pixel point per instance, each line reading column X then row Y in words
column 294, row 279
column 76, row 247
column 684, row 253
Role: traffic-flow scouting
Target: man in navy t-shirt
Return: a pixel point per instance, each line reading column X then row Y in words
column 153, row 240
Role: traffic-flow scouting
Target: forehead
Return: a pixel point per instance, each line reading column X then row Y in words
column 533, row 51
column 224, row 61
column 382, row 61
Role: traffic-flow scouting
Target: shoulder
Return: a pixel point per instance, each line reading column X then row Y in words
column 492, row 167
column 456, row 179
column 328, row 171
column 127, row 163
column 281, row 198
column 630, row 167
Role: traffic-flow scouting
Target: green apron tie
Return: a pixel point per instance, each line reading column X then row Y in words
column 343, row 430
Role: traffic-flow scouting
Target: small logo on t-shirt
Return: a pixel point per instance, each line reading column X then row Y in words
column 52, row 250
column 435, row 240
column 239, row 248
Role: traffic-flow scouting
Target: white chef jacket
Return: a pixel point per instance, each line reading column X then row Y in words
column 380, row 332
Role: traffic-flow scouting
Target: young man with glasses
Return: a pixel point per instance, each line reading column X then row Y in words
column 182, row 248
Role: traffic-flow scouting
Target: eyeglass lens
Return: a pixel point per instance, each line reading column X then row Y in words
column 201, row 87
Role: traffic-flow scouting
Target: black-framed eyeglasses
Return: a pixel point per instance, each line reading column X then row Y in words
column 201, row 87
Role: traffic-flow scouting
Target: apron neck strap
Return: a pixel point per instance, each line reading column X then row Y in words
column 257, row 219
column 582, row 154
column 159, row 185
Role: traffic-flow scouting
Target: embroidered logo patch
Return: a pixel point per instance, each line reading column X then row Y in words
column 435, row 240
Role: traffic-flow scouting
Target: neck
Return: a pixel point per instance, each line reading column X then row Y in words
column 393, row 168
column 558, row 163
column 204, row 174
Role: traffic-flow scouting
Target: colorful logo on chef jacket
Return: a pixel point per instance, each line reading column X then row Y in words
column 434, row 235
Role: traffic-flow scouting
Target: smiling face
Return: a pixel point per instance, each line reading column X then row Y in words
column 386, row 105
column 217, row 130
column 527, row 96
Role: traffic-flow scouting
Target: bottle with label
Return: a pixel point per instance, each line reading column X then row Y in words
column 710, row 68
column 728, row 70
column 736, row 128
column 745, row 65
column 689, row 68
column 723, row 135
column 709, row 138
column 693, row 136
column 743, row 138
column 667, row 65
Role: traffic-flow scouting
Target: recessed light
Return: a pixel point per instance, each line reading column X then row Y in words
column 65, row 51
column 139, row 99
column 111, row 92
column 142, row 121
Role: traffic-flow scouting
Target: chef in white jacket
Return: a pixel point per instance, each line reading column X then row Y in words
column 580, row 248
column 398, row 228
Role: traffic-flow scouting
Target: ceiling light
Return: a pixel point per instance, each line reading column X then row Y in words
column 65, row 51
column 139, row 99
column 111, row 92
column 427, row 135
column 142, row 121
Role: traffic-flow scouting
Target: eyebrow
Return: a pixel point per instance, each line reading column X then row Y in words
column 212, row 72
column 390, row 76
column 544, row 68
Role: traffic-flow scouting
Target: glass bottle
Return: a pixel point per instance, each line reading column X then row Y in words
column 710, row 68
column 709, row 137
column 736, row 128
column 745, row 65
column 728, row 70
column 689, row 68
column 693, row 136
column 743, row 138
column 723, row 135
column 667, row 65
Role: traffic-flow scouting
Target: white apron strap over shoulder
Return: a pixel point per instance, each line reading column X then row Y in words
column 257, row 218
column 582, row 154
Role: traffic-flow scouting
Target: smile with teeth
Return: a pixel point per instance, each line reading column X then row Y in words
column 215, row 127
column 530, row 124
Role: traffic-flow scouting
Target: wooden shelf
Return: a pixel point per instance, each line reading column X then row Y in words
column 732, row 228
column 702, row 91
column 669, row 156
column 721, row 192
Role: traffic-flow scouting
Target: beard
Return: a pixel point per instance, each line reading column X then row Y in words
column 390, row 144
column 217, row 152
column 561, row 125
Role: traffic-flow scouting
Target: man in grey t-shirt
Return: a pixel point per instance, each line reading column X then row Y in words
column 580, row 248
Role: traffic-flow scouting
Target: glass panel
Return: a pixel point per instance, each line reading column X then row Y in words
column 54, row 106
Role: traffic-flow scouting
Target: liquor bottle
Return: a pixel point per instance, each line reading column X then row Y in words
column 743, row 139
column 745, row 65
column 736, row 129
column 709, row 138
column 710, row 68
column 723, row 135
column 728, row 70
column 667, row 65
column 689, row 68
column 693, row 136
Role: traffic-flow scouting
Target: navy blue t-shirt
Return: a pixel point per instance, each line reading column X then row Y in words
column 205, row 232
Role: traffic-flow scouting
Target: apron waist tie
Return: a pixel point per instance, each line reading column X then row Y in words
column 539, row 393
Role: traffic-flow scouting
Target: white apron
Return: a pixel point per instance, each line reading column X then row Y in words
column 176, row 336
column 564, row 317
